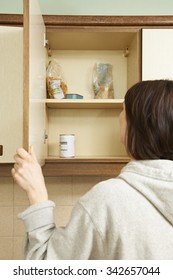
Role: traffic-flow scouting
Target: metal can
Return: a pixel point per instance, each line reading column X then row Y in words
column 67, row 145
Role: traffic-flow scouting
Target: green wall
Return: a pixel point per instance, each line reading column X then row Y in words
column 94, row 7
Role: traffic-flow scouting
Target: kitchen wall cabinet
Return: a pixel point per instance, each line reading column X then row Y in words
column 94, row 122
column 157, row 54
column 77, row 43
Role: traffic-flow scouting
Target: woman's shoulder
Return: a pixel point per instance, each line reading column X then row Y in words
column 104, row 192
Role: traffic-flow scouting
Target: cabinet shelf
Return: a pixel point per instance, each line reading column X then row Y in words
column 87, row 159
column 84, row 166
column 85, row 104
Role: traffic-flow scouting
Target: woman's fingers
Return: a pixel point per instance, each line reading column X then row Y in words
column 18, row 159
column 22, row 156
column 22, row 153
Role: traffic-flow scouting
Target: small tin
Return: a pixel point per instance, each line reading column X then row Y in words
column 67, row 145
column 73, row 96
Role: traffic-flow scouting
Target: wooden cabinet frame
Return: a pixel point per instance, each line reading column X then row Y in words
column 76, row 167
column 63, row 20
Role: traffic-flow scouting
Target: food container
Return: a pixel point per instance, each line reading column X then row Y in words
column 73, row 96
column 67, row 145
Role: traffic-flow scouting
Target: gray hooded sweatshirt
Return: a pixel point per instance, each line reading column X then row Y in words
column 128, row 217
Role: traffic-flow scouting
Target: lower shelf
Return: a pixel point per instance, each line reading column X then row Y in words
column 84, row 166
column 87, row 159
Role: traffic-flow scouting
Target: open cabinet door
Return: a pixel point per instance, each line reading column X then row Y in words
column 34, row 89
column 11, row 91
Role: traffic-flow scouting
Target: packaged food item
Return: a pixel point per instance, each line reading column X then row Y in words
column 56, row 87
column 67, row 145
column 103, row 81
column 73, row 96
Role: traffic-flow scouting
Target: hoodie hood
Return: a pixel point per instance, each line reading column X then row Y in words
column 154, row 180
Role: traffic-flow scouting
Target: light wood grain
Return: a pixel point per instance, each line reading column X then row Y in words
column 11, row 76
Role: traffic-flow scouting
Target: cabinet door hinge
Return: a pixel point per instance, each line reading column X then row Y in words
column 45, row 137
column 45, row 41
column 47, row 46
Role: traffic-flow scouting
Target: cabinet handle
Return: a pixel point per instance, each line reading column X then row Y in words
column 1, row 150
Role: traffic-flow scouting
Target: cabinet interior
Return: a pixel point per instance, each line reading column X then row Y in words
column 95, row 122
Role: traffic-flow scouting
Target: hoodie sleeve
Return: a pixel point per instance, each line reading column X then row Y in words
column 80, row 239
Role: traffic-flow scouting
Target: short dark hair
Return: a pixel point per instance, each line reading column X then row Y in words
column 149, row 115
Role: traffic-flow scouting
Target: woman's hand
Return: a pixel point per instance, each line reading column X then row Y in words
column 28, row 175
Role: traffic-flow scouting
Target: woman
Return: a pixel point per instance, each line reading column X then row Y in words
column 127, row 217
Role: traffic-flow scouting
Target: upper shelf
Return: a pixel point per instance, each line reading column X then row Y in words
column 85, row 103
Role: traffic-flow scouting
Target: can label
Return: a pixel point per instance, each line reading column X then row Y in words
column 67, row 145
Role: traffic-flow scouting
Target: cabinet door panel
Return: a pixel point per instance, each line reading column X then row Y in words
column 11, row 93
column 157, row 54
column 34, row 79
